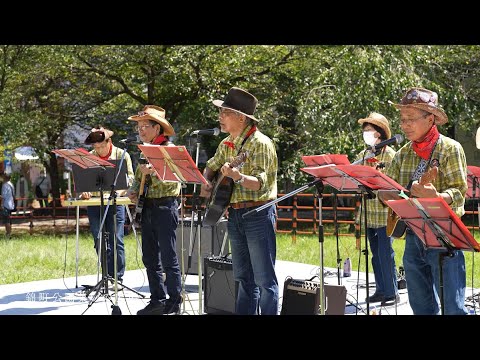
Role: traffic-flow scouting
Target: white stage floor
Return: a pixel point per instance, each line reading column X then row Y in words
column 65, row 296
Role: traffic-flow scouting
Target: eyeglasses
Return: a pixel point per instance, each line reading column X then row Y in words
column 411, row 121
column 141, row 127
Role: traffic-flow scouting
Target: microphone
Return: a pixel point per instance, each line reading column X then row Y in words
column 214, row 132
column 132, row 140
column 394, row 140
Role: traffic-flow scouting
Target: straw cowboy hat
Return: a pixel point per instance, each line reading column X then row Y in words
column 98, row 135
column 423, row 99
column 240, row 101
column 157, row 114
column 379, row 120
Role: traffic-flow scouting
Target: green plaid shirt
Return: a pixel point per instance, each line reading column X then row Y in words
column 157, row 187
column 261, row 163
column 376, row 211
column 117, row 155
column 452, row 171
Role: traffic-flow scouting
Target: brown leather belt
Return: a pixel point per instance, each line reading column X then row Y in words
column 247, row 204
column 163, row 201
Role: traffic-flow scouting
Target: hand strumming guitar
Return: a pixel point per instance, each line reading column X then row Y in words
column 231, row 172
column 428, row 191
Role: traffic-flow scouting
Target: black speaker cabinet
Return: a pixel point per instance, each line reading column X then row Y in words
column 211, row 240
column 220, row 290
column 302, row 297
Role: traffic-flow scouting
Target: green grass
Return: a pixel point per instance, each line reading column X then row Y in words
column 39, row 257
column 48, row 256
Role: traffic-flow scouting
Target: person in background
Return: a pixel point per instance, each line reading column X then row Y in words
column 100, row 139
column 8, row 203
column 159, row 218
column 376, row 129
column 21, row 193
column 420, row 115
column 42, row 189
column 252, row 239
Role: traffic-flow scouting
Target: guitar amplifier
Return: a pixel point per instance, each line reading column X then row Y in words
column 220, row 290
column 211, row 241
column 302, row 297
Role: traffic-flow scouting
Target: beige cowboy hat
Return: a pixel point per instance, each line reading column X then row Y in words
column 379, row 120
column 157, row 114
column 98, row 134
column 240, row 101
column 423, row 99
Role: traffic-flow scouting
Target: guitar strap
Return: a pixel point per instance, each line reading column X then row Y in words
column 422, row 167
column 249, row 133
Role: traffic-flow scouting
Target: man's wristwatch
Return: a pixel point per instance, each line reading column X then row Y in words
column 239, row 181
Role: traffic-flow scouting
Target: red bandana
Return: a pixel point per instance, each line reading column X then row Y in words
column 250, row 132
column 106, row 157
column 424, row 147
column 159, row 140
column 229, row 144
column 372, row 160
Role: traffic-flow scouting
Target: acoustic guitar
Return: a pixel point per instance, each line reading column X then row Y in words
column 221, row 193
column 396, row 227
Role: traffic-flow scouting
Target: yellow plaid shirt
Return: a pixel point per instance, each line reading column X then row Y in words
column 261, row 163
column 452, row 170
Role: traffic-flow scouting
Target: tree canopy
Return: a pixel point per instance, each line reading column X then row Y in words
column 310, row 97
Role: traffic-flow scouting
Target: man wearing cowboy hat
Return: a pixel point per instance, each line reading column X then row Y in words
column 376, row 129
column 159, row 218
column 420, row 115
column 101, row 140
column 252, row 239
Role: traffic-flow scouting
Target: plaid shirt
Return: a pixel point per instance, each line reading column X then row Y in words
column 452, row 171
column 157, row 187
column 376, row 211
column 117, row 155
column 261, row 163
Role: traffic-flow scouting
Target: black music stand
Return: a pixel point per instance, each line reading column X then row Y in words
column 113, row 174
column 81, row 159
column 343, row 177
column 174, row 164
column 437, row 226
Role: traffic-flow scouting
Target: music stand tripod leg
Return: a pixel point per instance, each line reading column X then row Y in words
column 319, row 186
column 184, row 293
column 441, row 260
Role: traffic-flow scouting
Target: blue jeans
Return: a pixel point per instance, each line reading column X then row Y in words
column 253, row 244
column 422, row 272
column 383, row 261
column 95, row 221
column 159, row 237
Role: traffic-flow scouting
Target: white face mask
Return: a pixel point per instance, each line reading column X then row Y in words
column 369, row 138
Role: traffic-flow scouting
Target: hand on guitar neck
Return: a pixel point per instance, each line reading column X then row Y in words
column 423, row 189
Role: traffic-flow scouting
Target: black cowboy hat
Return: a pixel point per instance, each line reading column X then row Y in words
column 240, row 101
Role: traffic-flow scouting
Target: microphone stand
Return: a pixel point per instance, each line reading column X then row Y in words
column 196, row 208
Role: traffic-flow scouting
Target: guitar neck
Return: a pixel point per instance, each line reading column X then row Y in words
column 142, row 185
